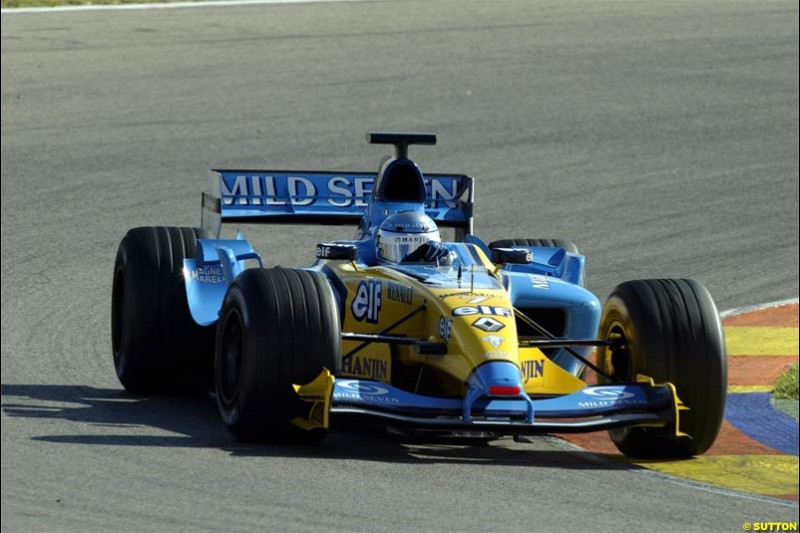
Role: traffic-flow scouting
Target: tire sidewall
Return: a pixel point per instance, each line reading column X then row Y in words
column 237, row 307
column 120, row 308
column 127, row 312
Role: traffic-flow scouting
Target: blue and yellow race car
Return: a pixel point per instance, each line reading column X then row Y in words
column 398, row 327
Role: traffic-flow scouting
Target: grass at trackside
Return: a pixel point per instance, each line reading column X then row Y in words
column 786, row 393
column 789, row 407
column 786, row 388
column 53, row 3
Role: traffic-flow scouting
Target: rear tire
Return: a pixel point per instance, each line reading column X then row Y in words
column 671, row 331
column 277, row 327
column 156, row 344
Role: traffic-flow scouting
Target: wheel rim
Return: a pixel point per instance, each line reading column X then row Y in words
column 619, row 362
column 117, row 320
column 230, row 361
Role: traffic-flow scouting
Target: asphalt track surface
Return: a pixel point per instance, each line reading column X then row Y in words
column 661, row 136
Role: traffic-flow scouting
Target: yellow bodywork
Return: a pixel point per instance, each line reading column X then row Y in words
column 541, row 376
column 317, row 395
column 449, row 317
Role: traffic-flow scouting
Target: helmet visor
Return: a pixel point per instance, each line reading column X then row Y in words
column 395, row 247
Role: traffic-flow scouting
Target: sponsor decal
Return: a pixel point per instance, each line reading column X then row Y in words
column 323, row 251
column 257, row 189
column 363, row 392
column 496, row 354
column 612, row 403
column 208, row 274
column 471, row 297
column 365, row 367
column 336, row 251
column 347, row 189
column 445, row 325
column 539, row 282
column 399, row 293
column 412, row 225
column 610, row 398
column 410, row 239
column 367, row 301
column 608, row 394
column 364, row 389
column 488, row 324
column 494, row 340
column 532, row 369
column 323, row 190
column 468, row 310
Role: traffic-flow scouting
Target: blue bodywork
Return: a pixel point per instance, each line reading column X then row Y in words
column 208, row 275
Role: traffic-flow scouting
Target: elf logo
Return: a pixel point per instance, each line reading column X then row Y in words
column 367, row 301
column 468, row 310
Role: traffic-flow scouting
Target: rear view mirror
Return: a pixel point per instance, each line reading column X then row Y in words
column 517, row 256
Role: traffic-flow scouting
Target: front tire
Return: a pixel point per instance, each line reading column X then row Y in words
column 669, row 330
column 156, row 344
column 278, row 327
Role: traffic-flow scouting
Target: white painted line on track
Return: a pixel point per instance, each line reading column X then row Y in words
column 760, row 307
column 644, row 471
column 173, row 5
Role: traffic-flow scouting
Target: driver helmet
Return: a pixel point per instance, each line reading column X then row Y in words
column 402, row 233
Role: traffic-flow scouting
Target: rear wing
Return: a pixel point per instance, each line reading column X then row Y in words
column 281, row 197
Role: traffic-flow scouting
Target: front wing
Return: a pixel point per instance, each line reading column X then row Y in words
column 594, row 408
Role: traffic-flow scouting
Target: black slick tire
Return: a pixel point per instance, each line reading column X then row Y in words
column 157, row 346
column 278, row 327
column 669, row 329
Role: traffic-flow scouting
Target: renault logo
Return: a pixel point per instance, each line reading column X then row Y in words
column 489, row 324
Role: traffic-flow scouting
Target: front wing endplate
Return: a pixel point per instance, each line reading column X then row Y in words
column 316, row 398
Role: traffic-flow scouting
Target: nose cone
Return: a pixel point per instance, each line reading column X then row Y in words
column 497, row 378
column 478, row 326
column 487, row 332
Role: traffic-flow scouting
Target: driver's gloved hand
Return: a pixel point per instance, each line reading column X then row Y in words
column 430, row 252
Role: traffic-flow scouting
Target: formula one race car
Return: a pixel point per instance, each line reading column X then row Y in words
column 398, row 327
